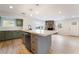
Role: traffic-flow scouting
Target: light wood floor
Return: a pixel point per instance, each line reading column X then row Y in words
column 65, row 44
column 14, row 46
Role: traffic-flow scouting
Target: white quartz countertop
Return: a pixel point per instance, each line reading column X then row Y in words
column 10, row 28
column 37, row 32
column 41, row 32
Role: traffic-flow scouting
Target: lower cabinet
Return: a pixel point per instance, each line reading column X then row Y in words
column 37, row 44
column 40, row 44
column 15, row 34
column 2, row 36
column 5, row 35
column 34, row 43
column 8, row 35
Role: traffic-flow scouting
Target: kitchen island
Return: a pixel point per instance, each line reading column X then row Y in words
column 40, row 40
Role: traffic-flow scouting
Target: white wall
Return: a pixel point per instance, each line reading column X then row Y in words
column 11, row 18
column 33, row 22
column 67, row 27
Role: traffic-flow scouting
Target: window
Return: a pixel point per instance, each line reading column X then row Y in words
column 8, row 23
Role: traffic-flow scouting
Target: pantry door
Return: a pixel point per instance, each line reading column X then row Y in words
column 74, row 28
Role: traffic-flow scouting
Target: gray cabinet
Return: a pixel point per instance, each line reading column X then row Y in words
column 17, row 34
column 34, row 43
column 5, row 35
column 2, row 35
column 40, row 44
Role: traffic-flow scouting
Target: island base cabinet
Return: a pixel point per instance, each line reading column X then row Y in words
column 40, row 44
column 34, row 43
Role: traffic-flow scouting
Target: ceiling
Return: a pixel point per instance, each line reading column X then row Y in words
column 41, row 11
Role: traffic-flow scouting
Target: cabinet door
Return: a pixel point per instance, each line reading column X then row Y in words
column 74, row 27
column 8, row 35
column 34, row 43
column 2, row 36
column 16, row 34
column 19, row 22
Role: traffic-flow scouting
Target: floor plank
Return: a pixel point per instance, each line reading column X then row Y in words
column 14, row 46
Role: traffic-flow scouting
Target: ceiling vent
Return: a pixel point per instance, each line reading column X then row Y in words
column 37, row 4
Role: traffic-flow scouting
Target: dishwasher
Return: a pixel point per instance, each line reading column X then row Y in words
column 27, row 40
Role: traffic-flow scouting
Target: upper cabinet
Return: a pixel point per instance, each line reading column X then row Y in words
column 19, row 22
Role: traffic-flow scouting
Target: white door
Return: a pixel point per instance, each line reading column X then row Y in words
column 74, row 27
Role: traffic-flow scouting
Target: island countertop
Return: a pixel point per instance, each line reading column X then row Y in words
column 41, row 32
column 37, row 32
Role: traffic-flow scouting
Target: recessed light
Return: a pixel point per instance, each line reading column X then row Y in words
column 59, row 12
column 31, row 15
column 23, row 13
column 37, row 4
column 10, row 7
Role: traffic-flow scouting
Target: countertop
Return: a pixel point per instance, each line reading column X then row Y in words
column 41, row 32
column 37, row 32
column 10, row 28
